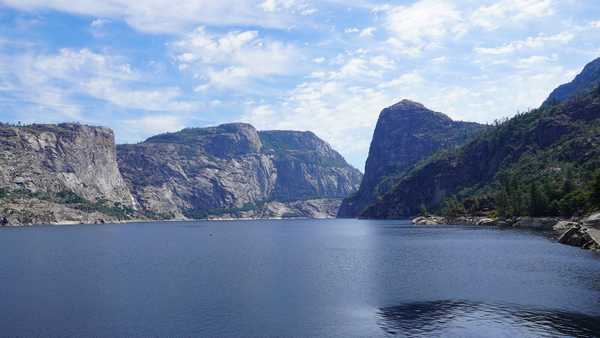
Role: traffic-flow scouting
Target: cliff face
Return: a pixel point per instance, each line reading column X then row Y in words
column 406, row 133
column 230, row 169
column 307, row 167
column 65, row 164
column 586, row 81
column 555, row 149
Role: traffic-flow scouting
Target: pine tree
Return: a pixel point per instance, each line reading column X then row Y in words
column 569, row 184
column 538, row 202
column 423, row 210
column 452, row 207
column 502, row 204
column 595, row 196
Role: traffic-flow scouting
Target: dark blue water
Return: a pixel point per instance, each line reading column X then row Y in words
column 294, row 278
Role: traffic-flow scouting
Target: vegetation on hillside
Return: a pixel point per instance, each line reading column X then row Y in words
column 72, row 200
column 545, row 162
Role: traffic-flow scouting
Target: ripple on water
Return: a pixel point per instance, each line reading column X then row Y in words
column 467, row 319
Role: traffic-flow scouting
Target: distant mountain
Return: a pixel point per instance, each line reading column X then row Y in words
column 538, row 163
column 406, row 133
column 60, row 173
column 583, row 83
column 75, row 173
column 235, row 171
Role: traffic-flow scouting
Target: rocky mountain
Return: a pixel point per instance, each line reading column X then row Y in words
column 65, row 172
column 587, row 80
column 234, row 171
column 538, row 163
column 406, row 133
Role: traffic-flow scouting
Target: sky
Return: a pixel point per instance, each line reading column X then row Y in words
column 150, row 66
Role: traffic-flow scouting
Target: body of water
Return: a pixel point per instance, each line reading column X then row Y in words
column 294, row 278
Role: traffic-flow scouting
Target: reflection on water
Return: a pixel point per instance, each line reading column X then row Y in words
column 465, row 319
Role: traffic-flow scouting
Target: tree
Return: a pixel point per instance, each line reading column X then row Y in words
column 423, row 210
column 538, row 201
column 452, row 207
column 573, row 203
column 595, row 196
column 503, row 205
column 569, row 184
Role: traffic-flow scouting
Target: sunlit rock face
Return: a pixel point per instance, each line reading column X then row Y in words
column 233, row 169
column 56, row 167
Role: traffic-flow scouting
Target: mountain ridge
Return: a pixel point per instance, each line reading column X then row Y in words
column 72, row 173
column 232, row 168
column 521, row 167
column 406, row 133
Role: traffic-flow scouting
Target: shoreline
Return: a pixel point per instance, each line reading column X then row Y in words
column 582, row 232
column 108, row 221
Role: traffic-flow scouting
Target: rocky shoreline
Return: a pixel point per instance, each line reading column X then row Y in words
column 583, row 233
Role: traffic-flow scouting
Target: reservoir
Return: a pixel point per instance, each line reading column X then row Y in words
column 330, row 278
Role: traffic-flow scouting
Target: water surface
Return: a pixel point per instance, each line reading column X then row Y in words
column 294, row 278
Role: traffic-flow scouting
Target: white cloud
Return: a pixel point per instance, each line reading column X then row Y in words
column 152, row 125
column 53, row 81
column 423, row 24
column 231, row 59
column 98, row 23
column 403, row 80
column 351, row 93
column 356, row 68
column 363, row 33
column 538, row 41
column 439, row 60
column 383, row 62
column 509, row 11
column 160, row 16
column 535, row 61
column 319, row 106
column 367, row 32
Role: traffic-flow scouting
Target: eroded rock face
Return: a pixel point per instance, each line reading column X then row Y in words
column 231, row 169
column 406, row 133
column 65, row 157
column 307, row 167
column 314, row 208
column 60, row 173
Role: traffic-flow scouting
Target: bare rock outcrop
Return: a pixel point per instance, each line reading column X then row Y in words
column 64, row 172
column 232, row 169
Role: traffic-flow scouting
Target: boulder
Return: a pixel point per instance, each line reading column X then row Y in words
column 593, row 221
column 429, row 220
column 535, row 223
column 487, row 222
column 594, row 235
column 564, row 225
column 574, row 236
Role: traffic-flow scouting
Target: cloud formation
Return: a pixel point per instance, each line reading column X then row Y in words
column 329, row 66
column 230, row 60
column 164, row 16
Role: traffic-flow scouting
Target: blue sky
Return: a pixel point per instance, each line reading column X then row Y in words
column 149, row 66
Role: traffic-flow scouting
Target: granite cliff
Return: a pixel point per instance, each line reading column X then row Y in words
column 406, row 133
column 60, row 173
column 233, row 170
column 543, row 162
